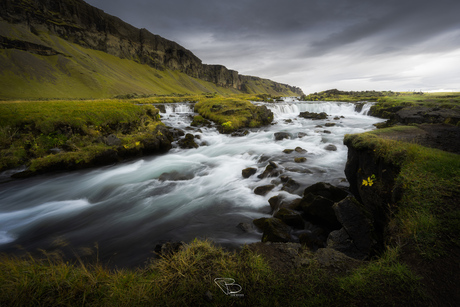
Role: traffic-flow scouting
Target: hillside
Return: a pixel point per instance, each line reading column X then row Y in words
column 69, row 49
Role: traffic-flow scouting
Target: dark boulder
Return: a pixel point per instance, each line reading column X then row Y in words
column 318, row 210
column 248, row 172
column 301, row 135
column 330, row 124
column 240, row 133
column 282, row 135
column 300, row 160
column 331, row 147
column 274, row 230
column 272, row 170
column 326, row 190
column 187, row 142
column 300, row 150
column 245, row 227
column 290, row 218
column 356, row 238
column 175, row 176
column 288, row 151
column 263, row 190
column 312, row 115
column 290, row 185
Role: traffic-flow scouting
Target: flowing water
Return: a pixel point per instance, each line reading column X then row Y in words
column 129, row 208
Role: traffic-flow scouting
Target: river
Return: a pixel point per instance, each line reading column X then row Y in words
column 129, row 208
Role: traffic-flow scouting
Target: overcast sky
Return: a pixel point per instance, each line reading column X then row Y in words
column 397, row 45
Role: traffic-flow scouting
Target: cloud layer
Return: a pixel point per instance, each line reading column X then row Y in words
column 395, row 45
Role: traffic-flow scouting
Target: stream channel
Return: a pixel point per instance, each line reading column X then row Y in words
column 129, row 208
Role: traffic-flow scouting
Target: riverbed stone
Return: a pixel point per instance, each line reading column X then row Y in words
column 329, row 124
column 331, row 147
column 326, row 190
column 300, row 159
column 188, row 142
column 318, row 210
column 274, row 230
column 288, row 151
column 312, row 115
column 271, row 170
column 248, row 172
column 290, row 185
column 282, row 135
column 301, row 135
column 300, row 150
column 290, row 218
column 264, row 189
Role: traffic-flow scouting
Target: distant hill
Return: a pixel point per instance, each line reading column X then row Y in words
column 70, row 49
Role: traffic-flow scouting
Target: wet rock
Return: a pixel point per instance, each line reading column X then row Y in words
column 274, row 230
column 245, row 227
column 175, row 133
column 187, row 142
column 327, row 132
column 240, row 133
column 290, row 185
column 288, row 121
column 248, row 172
column 175, row 176
column 282, row 135
column 301, row 135
column 300, row 160
column 112, row 140
column 275, row 202
column 290, row 218
column 312, row 115
column 331, row 147
column 288, row 151
column 330, row 124
column 264, row 189
column 326, row 190
column 271, row 170
column 356, row 238
column 300, row 150
column 318, row 210
column 336, row 118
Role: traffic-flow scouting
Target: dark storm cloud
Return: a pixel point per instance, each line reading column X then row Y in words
column 282, row 38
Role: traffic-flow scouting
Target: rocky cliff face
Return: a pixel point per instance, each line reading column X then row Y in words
column 85, row 25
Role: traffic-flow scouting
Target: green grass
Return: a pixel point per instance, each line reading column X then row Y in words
column 185, row 277
column 232, row 113
column 428, row 213
column 29, row 129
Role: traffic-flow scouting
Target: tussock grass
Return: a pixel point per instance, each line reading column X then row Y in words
column 187, row 278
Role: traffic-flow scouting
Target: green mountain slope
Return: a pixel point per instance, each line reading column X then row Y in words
column 73, row 50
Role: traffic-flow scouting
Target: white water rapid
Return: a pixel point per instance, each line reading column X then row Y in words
column 128, row 209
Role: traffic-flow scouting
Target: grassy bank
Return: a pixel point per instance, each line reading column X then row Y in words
column 187, row 278
column 389, row 98
column 41, row 133
column 428, row 214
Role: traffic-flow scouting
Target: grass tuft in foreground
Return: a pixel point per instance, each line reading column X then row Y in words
column 187, row 278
